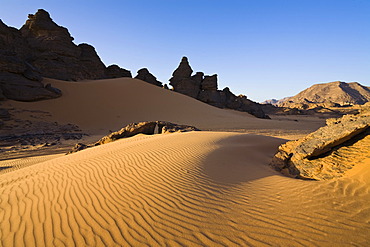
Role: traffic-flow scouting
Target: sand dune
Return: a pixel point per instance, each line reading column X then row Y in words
column 183, row 189
column 103, row 105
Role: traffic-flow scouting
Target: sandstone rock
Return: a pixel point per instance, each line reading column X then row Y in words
column 186, row 86
column 41, row 48
column 198, row 77
column 114, row 71
column 128, row 131
column 54, row 53
column 78, row 147
column 144, row 75
column 182, row 82
column 205, row 89
column 184, row 70
column 209, row 83
column 316, row 155
column 168, row 127
column 148, row 128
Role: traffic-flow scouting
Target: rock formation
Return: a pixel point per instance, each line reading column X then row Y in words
column 40, row 49
column 114, row 71
column 19, row 80
column 205, row 89
column 328, row 152
column 148, row 128
column 144, row 75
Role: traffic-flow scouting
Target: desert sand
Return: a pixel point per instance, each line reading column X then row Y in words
column 103, row 105
column 207, row 188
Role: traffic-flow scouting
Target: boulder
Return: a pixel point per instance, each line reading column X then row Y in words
column 328, row 152
column 144, row 75
column 114, row 71
column 148, row 128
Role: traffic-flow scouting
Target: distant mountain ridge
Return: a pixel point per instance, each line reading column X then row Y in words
column 336, row 92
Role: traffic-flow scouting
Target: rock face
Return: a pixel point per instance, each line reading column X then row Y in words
column 19, row 80
column 144, row 75
column 328, row 152
column 40, row 49
column 205, row 89
column 148, row 128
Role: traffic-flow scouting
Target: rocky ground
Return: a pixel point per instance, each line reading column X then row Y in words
column 328, row 152
column 29, row 133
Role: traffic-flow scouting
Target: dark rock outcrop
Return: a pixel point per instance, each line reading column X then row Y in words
column 205, row 89
column 114, row 71
column 144, row 75
column 328, row 152
column 19, row 80
column 148, row 128
column 40, row 49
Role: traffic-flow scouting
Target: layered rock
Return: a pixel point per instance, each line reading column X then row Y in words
column 41, row 48
column 147, row 128
column 328, row 152
column 205, row 89
column 144, row 75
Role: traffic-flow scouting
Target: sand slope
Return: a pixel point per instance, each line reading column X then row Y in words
column 103, row 105
column 183, row 189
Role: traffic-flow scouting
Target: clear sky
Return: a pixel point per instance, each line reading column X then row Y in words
column 261, row 48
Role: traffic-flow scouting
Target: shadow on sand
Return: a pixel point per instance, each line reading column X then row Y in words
column 241, row 158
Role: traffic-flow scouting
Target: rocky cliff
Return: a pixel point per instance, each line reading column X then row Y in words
column 41, row 48
column 205, row 89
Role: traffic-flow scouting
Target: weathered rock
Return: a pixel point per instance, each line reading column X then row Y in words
column 168, row 127
column 148, row 128
column 205, row 89
column 144, row 75
column 78, row 147
column 184, row 70
column 186, row 86
column 114, row 71
column 318, row 155
column 182, row 81
column 128, row 131
column 198, row 77
column 209, row 83
column 41, row 48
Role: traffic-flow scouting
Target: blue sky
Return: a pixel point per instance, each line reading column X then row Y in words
column 261, row 48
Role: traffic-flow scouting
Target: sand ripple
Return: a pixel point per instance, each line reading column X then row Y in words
column 186, row 189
